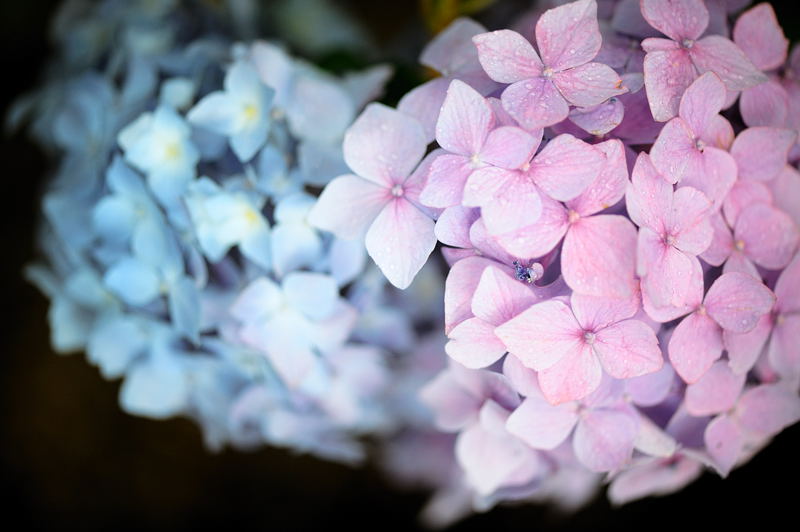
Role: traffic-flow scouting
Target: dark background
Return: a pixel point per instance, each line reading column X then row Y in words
column 69, row 458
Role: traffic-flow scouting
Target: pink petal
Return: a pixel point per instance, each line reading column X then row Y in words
column 498, row 297
column 604, row 439
column 678, row 19
column 654, row 479
column 784, row 350
column 589, row 84
column 446, row 179
column 674, row 153
column 453, row 405
column 715, row 392
column 490, row 459
column 609, row 187
column 689, row 221
column 787, row 289
column 474, row 344
column 542, row 425
column 452, row 48
column 568, row 35
column 768, row 409
column 400, row 240
column 667, row 271
column 594, row 313
column 721, row 243
column 723, row 440
column 452, row 227
column 599, row 256
column 535, row 103
column 739, row 262
column 769, row 236
column 514, row 207
column 761, row 152
column 424, row 103
column 695, row 345
column 744, row 194
column 384, row 145
column 758, row 33
column 766, row 104
column 652, row 440
column 736, row 301
column 574, row 376
column 665, row 313
column 628, row 349
column 745, row 348
column 542, row 335
column 716, row 176
column 464, row 121
column 459, row 287
column 701, row 101
column 522, row 379
column 649, row 197
column 509, row 147
column 485, row 184
column 719, row 55
column 541, row 236
column 566, row 166
column 362, row 201
column 486, row 245
column 667, row 73
column 599, row 119
column 718, row 132
column 507, row 56
column 651, row 389
column 786, row 192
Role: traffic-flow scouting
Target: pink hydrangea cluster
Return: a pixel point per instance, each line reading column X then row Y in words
column 616, row 193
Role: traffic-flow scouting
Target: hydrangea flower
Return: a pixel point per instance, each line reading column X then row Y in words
column 672, row 64
column 211, row 297
column 541, row 90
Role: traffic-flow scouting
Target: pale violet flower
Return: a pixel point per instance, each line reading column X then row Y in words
column 241, row 112
column 223, row 219
column 159, row 145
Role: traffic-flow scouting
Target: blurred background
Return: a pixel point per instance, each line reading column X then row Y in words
column 70, row 458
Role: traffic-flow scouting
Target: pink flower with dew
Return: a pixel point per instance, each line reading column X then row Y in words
column 761, row 38
column 571, row 345
column 605, row 428
column 759, row 414
column 454, row 56
column 781, row 328
column 511, row 201
column 673, row 229
column 672, row 64
column 463, row 279
column 598, row 255
column 762, row 235
column 382, row 147
column 497, row 299
column 541, row 90
column 734, row 303
column 691, row 147
column 466, row 130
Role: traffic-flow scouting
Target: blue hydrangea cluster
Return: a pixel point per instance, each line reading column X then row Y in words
column 176, row 249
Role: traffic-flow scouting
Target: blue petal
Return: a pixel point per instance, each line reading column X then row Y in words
column 133, row 281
